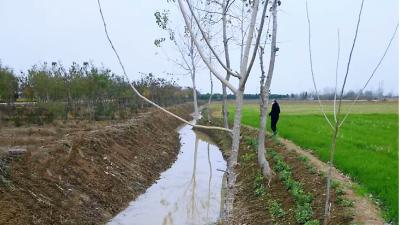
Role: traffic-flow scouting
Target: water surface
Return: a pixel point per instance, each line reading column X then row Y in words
column 187, row 193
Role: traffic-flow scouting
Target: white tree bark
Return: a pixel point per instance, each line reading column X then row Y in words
column 211, row 94
column 193, row 76
column 264, row 94
column 233, row 158
column 228, row 64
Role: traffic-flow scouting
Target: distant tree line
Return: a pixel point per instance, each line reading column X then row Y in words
column 349, row 95
column 325, row 95
column 218, row 96
column 85, row 91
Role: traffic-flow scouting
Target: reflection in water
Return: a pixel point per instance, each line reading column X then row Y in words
column 187, row 193
column 209, row 179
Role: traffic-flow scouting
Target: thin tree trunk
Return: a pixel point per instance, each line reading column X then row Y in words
column 196, row 108
column 193, row 74
column 209, row 181
column 225, row 106
column 233, row 158
column 264, row 94
column 328, row 183
column 211, row 95
column 228, row 64
column 266, row 170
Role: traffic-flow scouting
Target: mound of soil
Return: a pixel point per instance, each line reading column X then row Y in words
column 86, row 177
column 251, row 208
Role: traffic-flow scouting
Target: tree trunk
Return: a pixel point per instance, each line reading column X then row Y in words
column 233, row 157
column 193, row 74
column 196, row 108
column 328, row 183
column 211, row 95
column 264, row 95
column 228, row 64
column 266, row 170
column 225, row 106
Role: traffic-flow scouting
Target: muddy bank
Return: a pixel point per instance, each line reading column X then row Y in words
column 258, row 202
column 86, row 177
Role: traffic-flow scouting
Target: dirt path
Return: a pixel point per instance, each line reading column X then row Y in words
column 87, row 176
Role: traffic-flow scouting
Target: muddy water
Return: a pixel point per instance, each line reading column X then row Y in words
column 187, row 193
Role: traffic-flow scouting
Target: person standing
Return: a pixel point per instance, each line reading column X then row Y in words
column 274, row 114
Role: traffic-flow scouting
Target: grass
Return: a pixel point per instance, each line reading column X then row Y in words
column 367, row 147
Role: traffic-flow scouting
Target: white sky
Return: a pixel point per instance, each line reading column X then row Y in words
column 70, row 30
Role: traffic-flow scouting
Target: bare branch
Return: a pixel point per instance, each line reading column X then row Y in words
column 260, row 30
column 200, row 51
column 351, row 53
column 224, row 36
column 203, row 33
column 312, row 69
column 372, row 74
column 244, row 62
column 137, row 92
column 336, row 77
column 215, row 12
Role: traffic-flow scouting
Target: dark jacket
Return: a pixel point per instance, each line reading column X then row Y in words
column 274, row 114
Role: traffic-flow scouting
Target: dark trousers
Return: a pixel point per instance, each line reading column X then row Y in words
column 274, row 121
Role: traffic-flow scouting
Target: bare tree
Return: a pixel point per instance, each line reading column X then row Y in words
column 189, row 58
column 337, row 111
column 245, row 69
column 225, row 5
column 137, row 92
column 265, row 85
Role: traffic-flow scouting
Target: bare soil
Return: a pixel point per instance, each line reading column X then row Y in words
column 83, row 173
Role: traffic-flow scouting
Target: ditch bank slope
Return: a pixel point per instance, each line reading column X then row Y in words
column 88, row 176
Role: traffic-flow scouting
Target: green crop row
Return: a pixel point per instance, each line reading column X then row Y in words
column 303, row 211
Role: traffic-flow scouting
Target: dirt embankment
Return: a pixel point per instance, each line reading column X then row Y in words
column 86, row 177
column 274, row 203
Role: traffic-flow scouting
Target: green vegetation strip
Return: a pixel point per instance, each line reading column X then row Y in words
column 303, row 211
column 275, row 209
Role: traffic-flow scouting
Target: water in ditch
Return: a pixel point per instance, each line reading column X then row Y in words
column 187, row 193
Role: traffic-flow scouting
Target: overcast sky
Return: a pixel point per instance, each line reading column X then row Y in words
column 70, row 30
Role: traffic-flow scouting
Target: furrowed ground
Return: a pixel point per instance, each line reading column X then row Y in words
column 367, row 148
